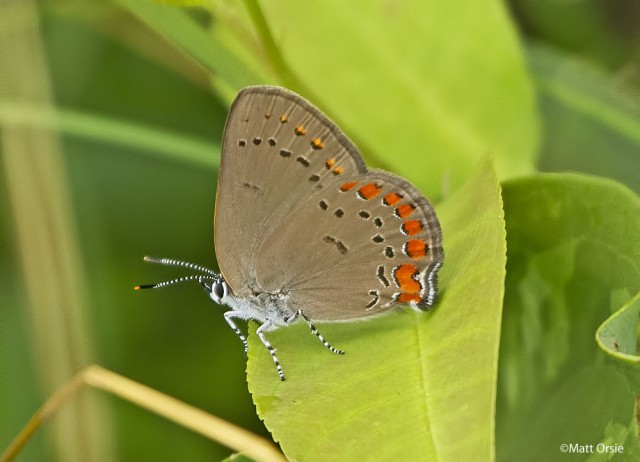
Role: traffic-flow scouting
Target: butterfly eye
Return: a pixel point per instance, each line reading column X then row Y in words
column 218, row 290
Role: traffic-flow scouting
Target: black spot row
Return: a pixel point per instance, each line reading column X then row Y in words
column 388, row 252
column 375, row 299
column 339, row 244
column 382, row 277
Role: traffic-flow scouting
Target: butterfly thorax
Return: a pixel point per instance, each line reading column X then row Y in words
column 260, row 306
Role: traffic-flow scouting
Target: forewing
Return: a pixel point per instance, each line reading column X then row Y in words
column 277, row 151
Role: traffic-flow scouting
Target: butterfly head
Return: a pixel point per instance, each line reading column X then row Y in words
column 217, row 289
column 213, row 283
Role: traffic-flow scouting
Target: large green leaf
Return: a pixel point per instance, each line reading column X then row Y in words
column 573, row 259
column 411, row 386
column 591, row 123
column 407, row 80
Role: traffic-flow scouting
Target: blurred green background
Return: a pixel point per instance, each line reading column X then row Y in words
column 136, row 150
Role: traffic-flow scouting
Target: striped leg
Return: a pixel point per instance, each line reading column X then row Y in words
column 266, row 327
column 314, row 331
column 237, row 314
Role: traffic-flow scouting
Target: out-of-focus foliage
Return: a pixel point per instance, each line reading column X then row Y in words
column 111, row 115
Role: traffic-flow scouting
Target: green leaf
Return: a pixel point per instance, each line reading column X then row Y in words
column 573, row 259
column 411, row 386
column 591, row 124
column 618, row 335
column 410, row 81
column 433, row 92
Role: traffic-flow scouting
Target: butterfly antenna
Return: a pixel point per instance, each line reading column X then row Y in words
column 184, row 264
column 198, row 277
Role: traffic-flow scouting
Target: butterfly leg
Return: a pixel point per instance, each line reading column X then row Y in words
column 314, row 331
column 266, row 327
column 228, row 315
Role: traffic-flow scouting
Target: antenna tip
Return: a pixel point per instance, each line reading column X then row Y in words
column 144, row 286
column 154, row 259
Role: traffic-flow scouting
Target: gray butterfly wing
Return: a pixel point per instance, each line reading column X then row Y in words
column 274, row 157
column 355, row 248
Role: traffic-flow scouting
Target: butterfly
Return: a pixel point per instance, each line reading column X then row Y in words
column 303, row 229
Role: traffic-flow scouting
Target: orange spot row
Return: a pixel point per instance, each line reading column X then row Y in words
column 369, row 191
column 415, row 248
column 411, row 227
column 316, row 143
column 404, row 276
column 347, row 186
column 391, row 199
column 330, row 163
column 404, row 210
column 338, row 171
column 407, row 298
column 300, row 130
column 284, row 119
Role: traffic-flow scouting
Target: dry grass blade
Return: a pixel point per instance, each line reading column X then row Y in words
column 181, row 413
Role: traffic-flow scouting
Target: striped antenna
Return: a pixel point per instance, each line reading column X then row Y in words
column 198, row 277
column 184, row 264
column 210, row 274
